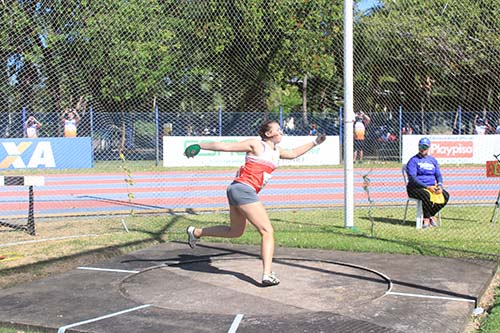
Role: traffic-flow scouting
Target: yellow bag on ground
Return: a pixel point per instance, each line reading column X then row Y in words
column 436, row 198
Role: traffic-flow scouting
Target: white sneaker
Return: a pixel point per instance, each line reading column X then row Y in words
column 270, row 280
column 192, row 239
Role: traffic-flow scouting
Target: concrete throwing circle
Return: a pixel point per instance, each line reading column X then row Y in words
column 232, row 285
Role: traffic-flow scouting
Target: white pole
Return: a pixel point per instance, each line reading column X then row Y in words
column 348, row 116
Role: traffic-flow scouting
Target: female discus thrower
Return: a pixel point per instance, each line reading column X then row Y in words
column 260, row 161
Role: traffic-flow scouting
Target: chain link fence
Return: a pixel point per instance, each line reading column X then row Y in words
column 138, row 134
column 139, row 71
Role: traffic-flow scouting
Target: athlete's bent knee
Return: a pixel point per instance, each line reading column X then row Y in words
column 264, row 231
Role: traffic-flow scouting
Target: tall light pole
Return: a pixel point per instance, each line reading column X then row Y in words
column 348, row 116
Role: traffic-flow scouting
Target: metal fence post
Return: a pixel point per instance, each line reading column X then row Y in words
column 281, row 116
column 31, row 213
column 157, row 135
column 220, row 121
column 24, row 120
column 400, row 133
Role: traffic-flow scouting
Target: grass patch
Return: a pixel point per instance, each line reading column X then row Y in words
column 491, row 323
column 18, row 330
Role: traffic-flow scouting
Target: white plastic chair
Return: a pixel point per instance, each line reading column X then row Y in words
column 420, row 212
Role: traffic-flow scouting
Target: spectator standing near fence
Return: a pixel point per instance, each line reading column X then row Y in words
column 481, row 126
column 361, row 122
column 497, row 131
column 32, row 127
column 425, row 183
column 407, row 129
column 262, row 156
column 70, row 120
column 313, row 130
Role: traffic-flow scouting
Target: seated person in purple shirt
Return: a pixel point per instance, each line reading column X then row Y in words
column 424, row 178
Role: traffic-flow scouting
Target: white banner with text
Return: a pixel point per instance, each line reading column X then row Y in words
column 173, row 151
column 455, row 149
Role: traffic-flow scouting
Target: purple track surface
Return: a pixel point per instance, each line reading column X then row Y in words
column 180, row 191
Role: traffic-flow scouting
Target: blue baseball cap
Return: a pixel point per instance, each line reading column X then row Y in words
column 424, row 142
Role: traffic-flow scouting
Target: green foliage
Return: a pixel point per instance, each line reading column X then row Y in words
column 452, row 43
column 461, row 235
column 288, row 98
column 206, row 54
column 136, row 53
column 202, row 55
column 492, row 322
column 144, row 128
column 17, row 330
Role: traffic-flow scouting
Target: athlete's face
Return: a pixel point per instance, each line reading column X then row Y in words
column 274, row 133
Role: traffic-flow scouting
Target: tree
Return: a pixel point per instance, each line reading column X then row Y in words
column 126, row 55
column 447, row 42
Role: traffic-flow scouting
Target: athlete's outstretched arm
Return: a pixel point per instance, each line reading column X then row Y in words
column 249, row 145
column 301, row 150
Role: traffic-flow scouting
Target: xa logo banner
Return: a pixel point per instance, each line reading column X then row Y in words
column 17, row 154
column 44, row 153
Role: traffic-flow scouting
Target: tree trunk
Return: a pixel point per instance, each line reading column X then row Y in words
column 255, row 99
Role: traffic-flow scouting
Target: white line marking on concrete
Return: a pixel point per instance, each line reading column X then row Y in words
column 235, row 324
column 435, row 297
column 108, row 270
column 63, row 328
column 46, row 239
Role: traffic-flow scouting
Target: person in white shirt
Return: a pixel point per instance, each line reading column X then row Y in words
column 32, row 127
column 70, row 120
column 361, row 122
column 480, row 125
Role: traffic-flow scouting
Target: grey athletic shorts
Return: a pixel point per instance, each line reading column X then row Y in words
column 241, row 194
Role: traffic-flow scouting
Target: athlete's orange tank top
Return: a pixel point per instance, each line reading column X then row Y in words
column 257, row 169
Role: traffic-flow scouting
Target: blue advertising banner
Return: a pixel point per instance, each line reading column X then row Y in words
column 46, row 153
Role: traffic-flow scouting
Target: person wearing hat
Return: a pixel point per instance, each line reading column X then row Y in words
column 425, row 183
